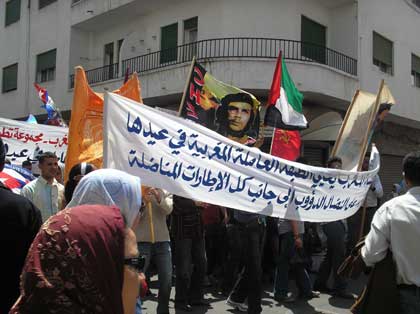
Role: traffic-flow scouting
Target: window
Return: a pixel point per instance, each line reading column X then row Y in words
column 45, row 66
column 12, row 11
column 313, row 37
column 10, row 78
column 168, row 43
column 75, row 1
column 119, row 45
column 108, row 61
column 415, row 70
column 190, row 30
column 44, row 3
column 416, row 3
column 383, row 53
column 190, row 38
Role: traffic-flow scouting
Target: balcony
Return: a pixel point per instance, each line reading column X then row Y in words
column 225, row 48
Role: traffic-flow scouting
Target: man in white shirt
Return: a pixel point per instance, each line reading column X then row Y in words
column 45, row 192
column 396, row 226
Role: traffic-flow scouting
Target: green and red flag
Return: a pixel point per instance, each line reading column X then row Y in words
column 284, row 107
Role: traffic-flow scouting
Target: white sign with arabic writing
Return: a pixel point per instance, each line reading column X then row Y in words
column 25, row 140
column 190, row 160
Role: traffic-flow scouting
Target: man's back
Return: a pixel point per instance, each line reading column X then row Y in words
column 398, row 223
column 21, row 222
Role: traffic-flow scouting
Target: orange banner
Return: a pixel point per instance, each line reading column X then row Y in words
column 85, row 130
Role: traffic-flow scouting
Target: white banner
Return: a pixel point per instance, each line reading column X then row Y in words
column 24, row 140
column 190, row 160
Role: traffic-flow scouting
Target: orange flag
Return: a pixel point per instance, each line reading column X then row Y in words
column 85, row 130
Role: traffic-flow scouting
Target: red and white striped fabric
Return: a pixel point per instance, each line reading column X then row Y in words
column 13, row 180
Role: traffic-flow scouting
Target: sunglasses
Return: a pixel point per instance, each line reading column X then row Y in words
column 136, row 263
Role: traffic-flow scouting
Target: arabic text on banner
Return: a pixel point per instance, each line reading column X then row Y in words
column 190, row 160
column 23, row 139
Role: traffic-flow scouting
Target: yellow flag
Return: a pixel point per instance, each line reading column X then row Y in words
column 85, row 130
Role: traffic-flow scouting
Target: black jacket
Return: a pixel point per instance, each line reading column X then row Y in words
column 20, row 221
column 186, row 220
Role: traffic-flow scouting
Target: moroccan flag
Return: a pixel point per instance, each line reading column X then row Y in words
column 284, row 107
column 85, row 131
column 286, row 144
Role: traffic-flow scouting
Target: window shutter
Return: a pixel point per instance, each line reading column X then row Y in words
column 382, row 49
column 190, row 23
column 44, row 3
column 46, row 60
column 10, row 78
column 415, row 64
column 313, row 36
column 168, row 43
column 12, row 11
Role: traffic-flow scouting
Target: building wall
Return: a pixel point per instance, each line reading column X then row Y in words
column 343, row 29
column 49, row 28
column 400, row 23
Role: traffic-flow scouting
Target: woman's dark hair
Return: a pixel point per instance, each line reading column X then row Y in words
column 222, row 114
column 76, row 173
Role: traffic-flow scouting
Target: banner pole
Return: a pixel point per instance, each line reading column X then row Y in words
column 181, row 105
column 152, row 227
column 372, row 119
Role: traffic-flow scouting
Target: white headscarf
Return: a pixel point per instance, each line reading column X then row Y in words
column 110, row 187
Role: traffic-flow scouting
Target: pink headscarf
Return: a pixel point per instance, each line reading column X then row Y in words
column 75, row 263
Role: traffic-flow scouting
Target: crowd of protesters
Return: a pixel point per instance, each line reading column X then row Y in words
column 190, row 245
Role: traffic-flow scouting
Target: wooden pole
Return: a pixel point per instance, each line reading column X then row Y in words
column 186, row 86
column 152, row 227
column 365, row 144
column 371, row 122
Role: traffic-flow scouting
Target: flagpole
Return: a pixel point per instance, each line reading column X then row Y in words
column 340, row 133
column 272, row 140
column 186, row 86
column 269, row 96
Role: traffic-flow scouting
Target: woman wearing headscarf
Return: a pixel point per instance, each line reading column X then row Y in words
column 80, row 262
column 82, row 259
column 110, row 187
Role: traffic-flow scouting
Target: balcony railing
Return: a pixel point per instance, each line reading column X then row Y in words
column 227, row 48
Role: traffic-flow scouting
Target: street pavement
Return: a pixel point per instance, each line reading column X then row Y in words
column 326, row 304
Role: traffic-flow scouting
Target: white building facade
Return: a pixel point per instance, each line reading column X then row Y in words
column 332, row 48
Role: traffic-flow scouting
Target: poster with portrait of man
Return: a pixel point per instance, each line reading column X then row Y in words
column 223, row 108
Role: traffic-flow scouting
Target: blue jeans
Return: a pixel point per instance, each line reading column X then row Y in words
column 138, row 306
column 287, row 249
column 409, row 301
column 160, row 254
